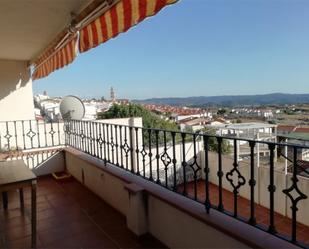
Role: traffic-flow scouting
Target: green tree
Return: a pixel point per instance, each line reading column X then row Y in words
column 272, row 121
column 150, row 120
column 221, row 111
column 213, row 142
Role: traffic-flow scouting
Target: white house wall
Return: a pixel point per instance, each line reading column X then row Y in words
column 16, row 99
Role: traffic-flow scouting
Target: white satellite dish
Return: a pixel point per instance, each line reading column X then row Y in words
column 72, row 107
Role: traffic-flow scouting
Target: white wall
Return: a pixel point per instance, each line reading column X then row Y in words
column 16, row 99
column 54, row 162
column 136, row 122
column 177, row 229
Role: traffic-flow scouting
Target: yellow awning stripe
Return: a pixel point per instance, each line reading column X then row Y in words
column 118, row 19
column 61, row 58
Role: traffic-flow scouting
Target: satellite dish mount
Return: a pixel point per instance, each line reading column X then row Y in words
column 72, row 108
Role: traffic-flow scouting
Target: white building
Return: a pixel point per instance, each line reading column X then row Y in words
column 266, row 113
column 40, row 97
column 50, row 108
column 252, row 131
column 200, row 115
column 90, row 111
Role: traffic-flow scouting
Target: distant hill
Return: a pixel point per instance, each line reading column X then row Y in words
column 232, row 100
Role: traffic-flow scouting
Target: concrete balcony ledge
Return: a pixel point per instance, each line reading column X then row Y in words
column 172, row 218
column 133, row 188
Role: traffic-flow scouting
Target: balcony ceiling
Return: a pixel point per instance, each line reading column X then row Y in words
column 28, row 26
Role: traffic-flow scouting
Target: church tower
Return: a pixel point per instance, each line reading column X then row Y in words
column 113, row 96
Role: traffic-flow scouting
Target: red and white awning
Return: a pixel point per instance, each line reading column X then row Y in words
column 119, row 18
column 51, row 61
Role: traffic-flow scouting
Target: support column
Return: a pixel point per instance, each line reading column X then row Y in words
column 33, row 214
column 276, row 148
column 132, row 142
column 286, row 160
column 237, row 145
column 5, row 200
column 136, row 122
column 257, row 150
column 137, row 212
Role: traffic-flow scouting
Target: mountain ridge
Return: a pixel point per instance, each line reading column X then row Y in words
column 231, row 100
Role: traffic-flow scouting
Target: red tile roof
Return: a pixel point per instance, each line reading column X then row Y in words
column 286, row 128
column 195, row 121
column 302, row 129
column 173, row 109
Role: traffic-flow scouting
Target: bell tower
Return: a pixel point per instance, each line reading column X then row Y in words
column 113, row 96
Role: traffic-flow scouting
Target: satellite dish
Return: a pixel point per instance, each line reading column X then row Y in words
column 72, row 107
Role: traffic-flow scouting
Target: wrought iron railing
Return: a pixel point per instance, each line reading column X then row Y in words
column 30, row 134
column 33, row 158
column 33, row 141
column 200, row 166
column 208, row 169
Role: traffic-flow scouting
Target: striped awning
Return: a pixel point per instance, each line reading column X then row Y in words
column 118, row 19
column 51, row 61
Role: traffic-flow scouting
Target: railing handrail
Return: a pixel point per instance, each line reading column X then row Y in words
column 151, row 153
column 207, row 135
column 27, row 120
column 30, row 134
column 169, row 159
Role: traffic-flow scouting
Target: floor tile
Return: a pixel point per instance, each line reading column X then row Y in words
column 68, row 216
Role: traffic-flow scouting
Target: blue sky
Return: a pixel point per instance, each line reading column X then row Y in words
column 197, row 48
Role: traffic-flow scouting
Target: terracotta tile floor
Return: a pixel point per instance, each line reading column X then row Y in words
column 69, row 216
column 282, row 223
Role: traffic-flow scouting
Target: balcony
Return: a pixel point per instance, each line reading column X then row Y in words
column 137, row 187
column 69, row 215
